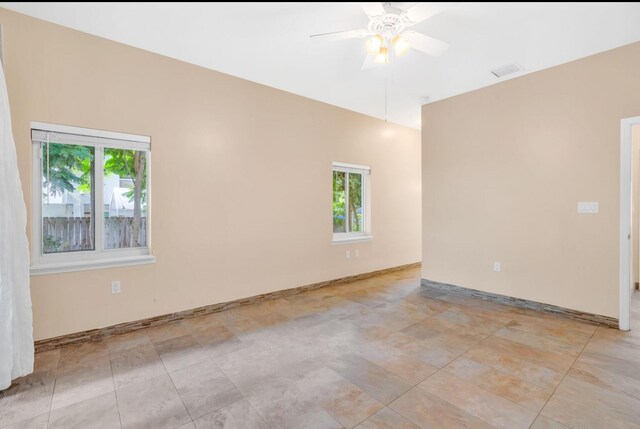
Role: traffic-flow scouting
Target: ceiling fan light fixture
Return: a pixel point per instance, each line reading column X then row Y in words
column 374, row 44
column 400, row 45
column 388, row 32
column 383, row 56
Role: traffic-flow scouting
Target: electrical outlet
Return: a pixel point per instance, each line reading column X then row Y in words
column 588, row 207
column 115, row 286
column 497, row 267
column 357, row 253
column 348, row 255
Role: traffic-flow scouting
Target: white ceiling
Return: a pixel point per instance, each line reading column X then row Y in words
column 269, row 43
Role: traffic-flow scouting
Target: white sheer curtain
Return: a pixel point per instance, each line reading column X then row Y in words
column 16, row 329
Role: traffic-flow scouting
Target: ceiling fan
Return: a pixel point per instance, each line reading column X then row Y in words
column 389, row 29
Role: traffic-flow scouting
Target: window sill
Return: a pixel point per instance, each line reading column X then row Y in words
column 352, row 239
column 66, row 267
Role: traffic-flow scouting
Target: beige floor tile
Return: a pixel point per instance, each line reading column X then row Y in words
column 239, row 415
column 445, row 325
column 79, row 383
column 151, row 404
column 543, row 422
column 441, row 349
column 580, row 415
column 391, row 342
column 620, row 349
column 558, row 328
column 39, row 422
column 285, row 406
column 386, row 419
column 122, row 342
column 540, row 342
column 204, row 388
column 554, row 361
column 427, row 411
column 632, row 336
column 286, row 376
column 623, row 367
column 91, row 354
column 216, row 340
column 344, row 401
column 614, row 404
column 180, row 352
column 253, row 362
column 135, row 364
column 625, row 384
column 381, row 384
column 453, row 299
column 201, row 323
column 408, row 367
column 365, row 297
column 497, row 313
column 27, row 397
column 100, row 412
column 189, row 425
column 242, row 325
column 395, row 316
column 45, row 361
column 410, row 310
column 425, row 300
column 469, row 322
column 515, row 366
column 556, row 322
column 166, row 332
column 500, row 383
column 442, row 340
column 495, row 410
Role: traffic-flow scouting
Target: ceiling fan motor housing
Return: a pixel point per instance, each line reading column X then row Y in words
column 388, row 25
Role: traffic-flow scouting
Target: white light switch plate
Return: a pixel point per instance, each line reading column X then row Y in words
column 115, row 286
column 588, row 207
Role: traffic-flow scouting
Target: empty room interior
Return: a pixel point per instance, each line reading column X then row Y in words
column 319, row 215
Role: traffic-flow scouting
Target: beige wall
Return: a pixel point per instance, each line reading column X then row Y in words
column 635, row 198
column 503, row 170
column 250, row 166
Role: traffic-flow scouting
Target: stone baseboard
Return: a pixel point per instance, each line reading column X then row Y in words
column 523, row 303
column 121, row 328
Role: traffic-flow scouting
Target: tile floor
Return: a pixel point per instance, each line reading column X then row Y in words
column 379, row 353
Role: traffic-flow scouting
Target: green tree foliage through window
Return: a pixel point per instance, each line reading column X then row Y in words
column 131, row 164
column 355, row 202
column 348, row 213
column 339, row 218
column 66, row 167
column 71, row 168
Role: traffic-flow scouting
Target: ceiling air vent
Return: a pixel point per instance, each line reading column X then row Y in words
column 506, row 70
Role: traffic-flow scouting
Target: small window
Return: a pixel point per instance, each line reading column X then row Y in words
column 90, row 199
column 351, row 220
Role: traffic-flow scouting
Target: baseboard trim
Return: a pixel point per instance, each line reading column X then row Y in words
column 121, row 328
column 523, row 303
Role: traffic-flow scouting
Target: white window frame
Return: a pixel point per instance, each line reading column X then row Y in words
column 49, row 263
column 365, row 234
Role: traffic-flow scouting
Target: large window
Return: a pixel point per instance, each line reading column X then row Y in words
column 350, row 202
column 91, row 199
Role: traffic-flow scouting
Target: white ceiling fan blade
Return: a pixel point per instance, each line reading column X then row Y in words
column 341, row 35
column 422, row 11
column 424, row 43
column 373, row 9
